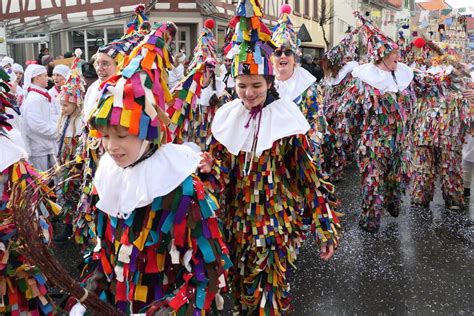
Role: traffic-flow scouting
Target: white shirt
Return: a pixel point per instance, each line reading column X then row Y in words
column 39, row 124
column 468, row 149
column 55, row 101
column 175, row 76
column 90, row 100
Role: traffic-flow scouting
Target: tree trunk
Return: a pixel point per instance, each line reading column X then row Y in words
column 324, row 36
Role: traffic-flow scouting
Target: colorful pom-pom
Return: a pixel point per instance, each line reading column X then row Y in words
column 419, row 42
column 78, row 52
column 209, row 24
column 286, row 8
column 139, row 8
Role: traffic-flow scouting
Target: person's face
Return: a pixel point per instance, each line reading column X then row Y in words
column 210, row 69
column 391, row 60
column 19, row 76
column 284, row 62
column 105, row 66
column 228, row 64
column 347, row 59
column 46, row 51
column 123, row 147
column 67, row 108
column 41, row 80
column 252, row 90
column 59, row 80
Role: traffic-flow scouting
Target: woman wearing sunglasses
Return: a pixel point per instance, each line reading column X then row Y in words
column 296, row 83
column 269, row 187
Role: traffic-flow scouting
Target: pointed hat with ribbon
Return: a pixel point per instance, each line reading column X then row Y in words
column 73, row 90
column 283, row 33
column 136, row 97
column 206, row 45
column 252, row 45
column 378, row 44
column 137, row 28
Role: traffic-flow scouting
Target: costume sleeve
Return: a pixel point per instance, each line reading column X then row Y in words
column 219, row 178
column 39, row 123
column 20, row 276
column 319, row 202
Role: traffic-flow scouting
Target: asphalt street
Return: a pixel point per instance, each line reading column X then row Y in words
column 420, row 263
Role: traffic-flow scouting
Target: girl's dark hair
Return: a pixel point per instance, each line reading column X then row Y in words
column 272, row 91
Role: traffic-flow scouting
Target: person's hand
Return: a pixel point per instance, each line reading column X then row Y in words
column 206, row 163
column 327, row 252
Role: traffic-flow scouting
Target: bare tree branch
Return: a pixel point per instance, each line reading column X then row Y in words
column 325, row 17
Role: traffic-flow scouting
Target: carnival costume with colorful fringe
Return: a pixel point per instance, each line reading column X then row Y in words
column 70, row 130
column 338, row 110
column 272, row 188
column 23, row 288
column 159, row 244
column 84, row 226
column 441, row 117
column 385, row 100
column 301, row 87
column 195, row 105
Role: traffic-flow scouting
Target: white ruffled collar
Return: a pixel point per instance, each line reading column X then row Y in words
column 383, row 80
column 298, row 83
column 121, row 190
column 10, row 153
column 440, row 69
column 347, row 68
column 279, row 119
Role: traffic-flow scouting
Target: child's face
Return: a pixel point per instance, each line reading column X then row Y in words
column 67, row 108
column 58, row 79
column 252, row 90
column 123, row 147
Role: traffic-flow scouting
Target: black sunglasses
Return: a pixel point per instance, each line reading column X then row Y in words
column 279, row 53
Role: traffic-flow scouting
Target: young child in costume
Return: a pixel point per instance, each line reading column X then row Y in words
column 296, row 83
column 23, row 289
column 106, row 61
column 441, row 119
column 159, row 246
column 260, row 160
column 71, row 99
column 199, row 94
column 338, row 64
column 383, row 94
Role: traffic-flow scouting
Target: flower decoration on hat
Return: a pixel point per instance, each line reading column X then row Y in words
column 251, row 46
column 73, row 90
column 284, row 34
column 347, row 47
column 137, row 28
column 206, row 45
column 135, row 98
column 378, row 44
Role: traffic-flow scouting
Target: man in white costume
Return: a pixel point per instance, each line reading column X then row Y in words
column 39, row 119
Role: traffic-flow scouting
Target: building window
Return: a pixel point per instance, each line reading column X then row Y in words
column 90, row 40
column 298, row 6
column 306, row 8
column 315, row 9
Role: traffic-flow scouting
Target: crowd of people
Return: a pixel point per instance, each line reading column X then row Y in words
column 182, row 184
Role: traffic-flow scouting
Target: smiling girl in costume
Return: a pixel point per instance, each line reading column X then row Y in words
column 260, row 160
column 159, row 246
